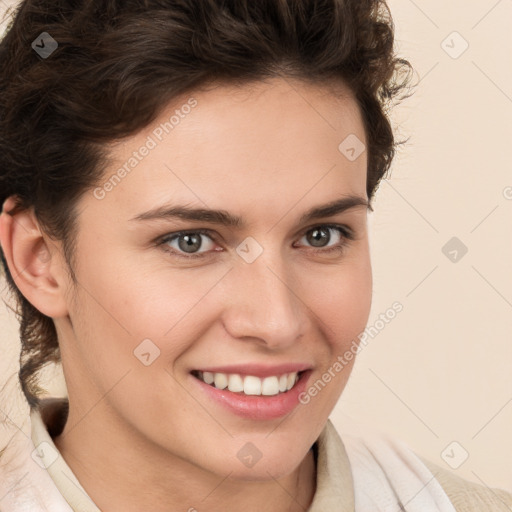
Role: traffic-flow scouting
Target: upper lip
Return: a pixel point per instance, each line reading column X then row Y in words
column 257, row 370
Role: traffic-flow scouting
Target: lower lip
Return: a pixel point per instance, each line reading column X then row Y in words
column 257, row 407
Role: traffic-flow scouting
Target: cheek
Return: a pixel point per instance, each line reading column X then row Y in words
column 143, row 304
column 343, row 307
column 345, row 301
column 173, row 308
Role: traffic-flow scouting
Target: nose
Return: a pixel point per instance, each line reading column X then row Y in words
column 263, row 303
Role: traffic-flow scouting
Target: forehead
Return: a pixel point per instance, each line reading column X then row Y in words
column 257, row 144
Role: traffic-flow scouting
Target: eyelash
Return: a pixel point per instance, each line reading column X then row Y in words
column 347, row 236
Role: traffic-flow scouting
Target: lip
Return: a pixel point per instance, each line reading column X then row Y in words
column 258, row 370
column 255, row 407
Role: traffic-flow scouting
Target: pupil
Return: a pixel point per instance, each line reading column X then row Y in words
column 190, row 242
column 318, row 236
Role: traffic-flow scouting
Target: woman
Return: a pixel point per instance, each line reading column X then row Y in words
column 185, row 189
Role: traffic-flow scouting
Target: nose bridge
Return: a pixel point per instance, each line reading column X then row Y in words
column 265, row 304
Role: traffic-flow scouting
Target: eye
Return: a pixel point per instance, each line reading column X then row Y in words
column 187, row 243
column 320, row 237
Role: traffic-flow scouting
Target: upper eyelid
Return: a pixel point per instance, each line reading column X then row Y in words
column 345, row 230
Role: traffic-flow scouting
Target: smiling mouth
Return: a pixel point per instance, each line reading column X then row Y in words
column 249, row 384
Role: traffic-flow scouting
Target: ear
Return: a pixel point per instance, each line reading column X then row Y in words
column 36, row 265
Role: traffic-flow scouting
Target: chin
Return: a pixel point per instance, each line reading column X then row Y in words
column 259, row 461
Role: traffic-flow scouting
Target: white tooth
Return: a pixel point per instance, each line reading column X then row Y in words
column 252, row 385
column 236, row 383
column 283, row 380
column 270, row 386
column 221, row 380
column 291, row 380
column 208, row 377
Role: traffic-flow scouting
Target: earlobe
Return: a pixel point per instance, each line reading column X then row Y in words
column 31, row 261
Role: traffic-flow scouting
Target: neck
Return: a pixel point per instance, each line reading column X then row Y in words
column 119, row 471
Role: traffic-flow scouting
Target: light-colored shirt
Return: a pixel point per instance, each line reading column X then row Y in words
column 357, row 474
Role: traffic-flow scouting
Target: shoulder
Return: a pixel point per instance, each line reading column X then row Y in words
column 467, row 496
column 385, row 469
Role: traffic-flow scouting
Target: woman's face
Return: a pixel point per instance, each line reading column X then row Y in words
column 251, row 302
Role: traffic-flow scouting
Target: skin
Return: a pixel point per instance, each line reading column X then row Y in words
column 266, row 152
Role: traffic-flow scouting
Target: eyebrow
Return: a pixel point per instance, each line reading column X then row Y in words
column 223, row 217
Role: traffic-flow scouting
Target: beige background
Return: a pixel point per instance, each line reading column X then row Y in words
column 441, row 370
